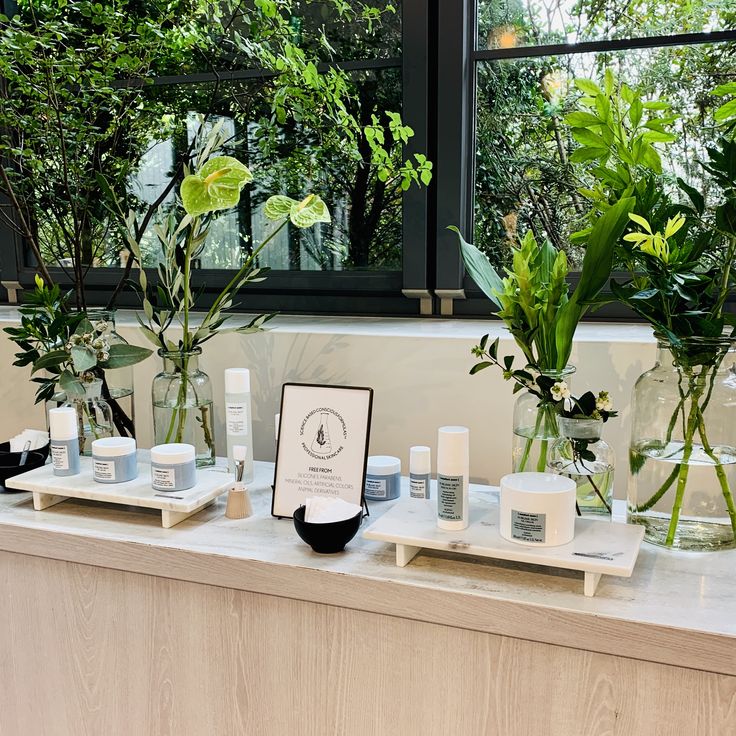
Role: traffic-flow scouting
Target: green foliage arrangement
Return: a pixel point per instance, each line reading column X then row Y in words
column 66, row 351
column 214, row 186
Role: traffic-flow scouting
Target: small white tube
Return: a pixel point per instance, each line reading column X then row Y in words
column 453, row 470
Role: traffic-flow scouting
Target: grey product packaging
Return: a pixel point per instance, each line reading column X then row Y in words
column 528, row 527
column 180, row 477
column 450, row 497
column 118, row 469
column 65, row 456
column 419, row 485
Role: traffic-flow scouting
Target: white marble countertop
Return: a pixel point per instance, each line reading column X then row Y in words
column 677, row 608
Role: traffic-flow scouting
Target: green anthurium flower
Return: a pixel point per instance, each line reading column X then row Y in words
column 305, row 213
column 216, row 186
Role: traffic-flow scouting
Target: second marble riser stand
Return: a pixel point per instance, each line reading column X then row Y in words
column 599, row 547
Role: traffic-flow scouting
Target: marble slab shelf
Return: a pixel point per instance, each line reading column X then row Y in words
column 599, row 547
column 49, row 489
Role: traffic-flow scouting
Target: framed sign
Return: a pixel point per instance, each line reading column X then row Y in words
column 322, row 445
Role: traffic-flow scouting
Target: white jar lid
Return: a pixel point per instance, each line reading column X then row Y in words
column 538, row 483
column 63, row 423
column 237, row 381
column 174, row 453
column 383, row 465
column 113, row 447
column 420, row 460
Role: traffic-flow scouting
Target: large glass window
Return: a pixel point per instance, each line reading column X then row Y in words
column 527, row 57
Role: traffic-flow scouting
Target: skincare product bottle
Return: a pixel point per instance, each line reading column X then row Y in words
column 64, row 431
column 276, row 426
column 173, row 467
column 453, row 468
column 238, row 420
column 383, row 478
column 114, row 460
column 238, row 498
column 420, row 470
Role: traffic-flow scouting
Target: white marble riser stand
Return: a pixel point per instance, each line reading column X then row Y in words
column 599, row 547
column 49, row 489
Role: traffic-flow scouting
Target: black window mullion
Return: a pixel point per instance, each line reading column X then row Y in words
column 454, row 141
column 415, row 113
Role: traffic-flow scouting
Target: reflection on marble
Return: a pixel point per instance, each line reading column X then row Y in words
column 691, row 592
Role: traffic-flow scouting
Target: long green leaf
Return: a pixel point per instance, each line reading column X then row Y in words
column 597, row 266
column 480, row 269
column 125, row 355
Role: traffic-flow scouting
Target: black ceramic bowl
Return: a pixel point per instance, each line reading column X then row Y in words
column 9, row 463
column 327, row 538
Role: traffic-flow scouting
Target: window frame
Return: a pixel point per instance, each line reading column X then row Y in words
column 402, row 292
column 456, row 112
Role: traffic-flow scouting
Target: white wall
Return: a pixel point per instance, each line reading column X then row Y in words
column 417, row 367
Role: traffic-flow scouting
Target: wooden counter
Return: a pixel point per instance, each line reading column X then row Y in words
column 114, row 625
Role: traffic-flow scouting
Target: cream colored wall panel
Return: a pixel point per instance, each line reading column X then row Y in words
column 418, row 368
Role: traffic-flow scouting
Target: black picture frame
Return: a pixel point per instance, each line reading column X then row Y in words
column 277, row 510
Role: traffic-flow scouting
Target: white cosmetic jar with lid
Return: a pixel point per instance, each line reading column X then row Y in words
column 537, row 509
column 173, row 467
column 114, row 459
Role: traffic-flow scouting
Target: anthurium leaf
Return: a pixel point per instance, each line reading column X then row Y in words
column 122, row 355
column 479, row 269
column 83, row 358
column 278, row 207
column 309, row 211
column 216, row 186
column 71, row 385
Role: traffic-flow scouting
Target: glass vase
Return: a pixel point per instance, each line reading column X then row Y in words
column 580, row 454
column 117, row 388
column 682, row 457
column 94, row 416
column 535, row 427
column 182, row 404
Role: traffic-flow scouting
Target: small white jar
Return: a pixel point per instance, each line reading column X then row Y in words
column 383, row 478
column 537, row 509
column 114, row 459
column 173, row 467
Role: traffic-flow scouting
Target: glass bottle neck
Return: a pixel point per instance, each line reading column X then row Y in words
column 178, row 362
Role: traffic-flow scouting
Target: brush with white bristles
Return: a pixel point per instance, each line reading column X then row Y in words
column 238, row 498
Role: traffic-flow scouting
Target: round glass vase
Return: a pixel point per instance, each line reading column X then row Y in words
column 535, row 427
column 682, row 456
column 118, row 389
column 580, row 454
column 182, row 404
column 94, row 416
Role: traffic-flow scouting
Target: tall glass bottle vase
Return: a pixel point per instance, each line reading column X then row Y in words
column 580, row 454
column 94, row 416
column 117, row 389
column 535, row 427
column 182, row 404
column 682, row 458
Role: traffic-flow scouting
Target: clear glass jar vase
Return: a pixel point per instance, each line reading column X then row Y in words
column 94, row 416
column 182, row 404
column 682, row 457
column 535, row 427
column 118, row 388
column 580, row 454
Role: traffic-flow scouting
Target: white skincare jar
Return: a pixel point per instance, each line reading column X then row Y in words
column 537, row 509
column 173, row 467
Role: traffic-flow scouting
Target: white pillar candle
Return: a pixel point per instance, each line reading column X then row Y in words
column 537, row 509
